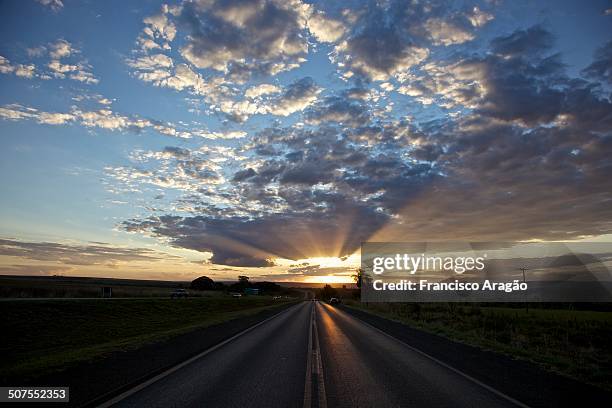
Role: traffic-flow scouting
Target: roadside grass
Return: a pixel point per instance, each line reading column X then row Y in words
column 574, row 343
column 76, row 287
column 45, row 336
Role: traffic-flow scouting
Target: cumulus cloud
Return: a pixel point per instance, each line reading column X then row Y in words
column 379, row 52
column 262, row 89
column 296, row 97
column 346, row 175
column 389, row 39
column 446, row 33
column 325, row 29
column 265, row 35
column 5, row 66
column 339, row 109
column 20, row 70
column 61, row 49
column 57, row 52
column 229, row 43
column 177, row 168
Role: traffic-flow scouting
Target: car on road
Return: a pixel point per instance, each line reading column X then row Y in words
column 179, row 293
column 236, row 295
column 334, row 301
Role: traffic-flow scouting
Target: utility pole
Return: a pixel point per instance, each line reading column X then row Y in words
column 525, row 281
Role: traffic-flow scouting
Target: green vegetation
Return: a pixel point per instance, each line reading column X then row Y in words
column 81, row 287
column 42, row 336
column 571, row 342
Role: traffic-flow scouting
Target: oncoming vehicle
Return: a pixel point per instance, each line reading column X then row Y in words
column 334, row 301
column 236, row 295
column 179, row 293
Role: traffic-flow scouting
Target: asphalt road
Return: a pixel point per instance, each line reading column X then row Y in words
column 338, row 361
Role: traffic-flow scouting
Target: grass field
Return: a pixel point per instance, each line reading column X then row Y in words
column 574, row 343
column 40, row 336
column 80, row 287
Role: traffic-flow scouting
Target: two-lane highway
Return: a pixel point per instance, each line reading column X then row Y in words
column 287, row 361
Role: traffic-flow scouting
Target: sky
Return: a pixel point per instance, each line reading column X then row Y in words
column 151, row 140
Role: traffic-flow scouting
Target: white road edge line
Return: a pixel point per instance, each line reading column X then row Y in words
column 453, row 369
column 177, row 367
column 319, row 364
column 308, row 380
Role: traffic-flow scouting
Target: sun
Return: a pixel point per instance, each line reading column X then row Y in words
column 330, row 279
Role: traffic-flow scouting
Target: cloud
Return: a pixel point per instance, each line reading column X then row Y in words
column 262, row 89
column 5, row 66
column 528, row 158
column 264, row 35
column 76, row 254
column 601, row 67
column 325, row 29
column 78, row 71
column 238, row 241
column 531, row 42
column 295, row 97
column 389, row 39
column 20, row 70
column 107, row 119
column 25, row 71
column 338, row 109
column 468, row 141
column 225, row 45
column 33, row 269
column 61, row 49
column 172, row 168
column 446, row 33
column 55, row 5
column 520, row 79
column 159, row 27
column 57, row 51
column 369, row 58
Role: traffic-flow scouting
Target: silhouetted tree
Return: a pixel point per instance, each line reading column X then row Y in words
column 327, row 292
column 358, row 277
column 203, row 283
column 242, row 284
